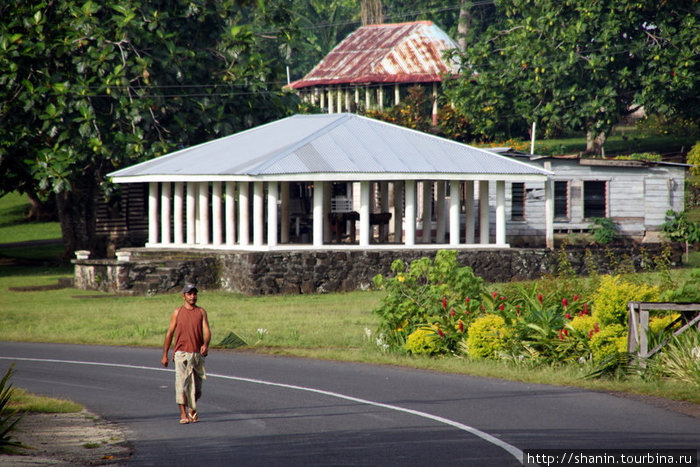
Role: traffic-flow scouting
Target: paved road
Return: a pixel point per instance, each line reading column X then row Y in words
column 278, row 411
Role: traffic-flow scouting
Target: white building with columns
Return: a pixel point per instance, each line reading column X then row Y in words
column 331, row 181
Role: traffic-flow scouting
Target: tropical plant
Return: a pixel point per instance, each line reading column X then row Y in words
column 488, row 337
column 604, row 230
column 611, row 298
column 680, row 359
column 678, row 228
column 8, row 416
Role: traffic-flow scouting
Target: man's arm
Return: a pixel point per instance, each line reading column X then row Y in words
column 206, row 334
column 169, row 337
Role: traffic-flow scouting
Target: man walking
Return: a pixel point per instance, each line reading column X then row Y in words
column 190, row 326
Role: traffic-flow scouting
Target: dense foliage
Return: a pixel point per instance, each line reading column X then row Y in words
column 438, row 308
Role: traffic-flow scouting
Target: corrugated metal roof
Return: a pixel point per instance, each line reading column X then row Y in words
column 385, row 53
column 328, row 144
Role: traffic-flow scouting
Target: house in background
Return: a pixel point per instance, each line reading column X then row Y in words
column 634, row 194
column 376, row 61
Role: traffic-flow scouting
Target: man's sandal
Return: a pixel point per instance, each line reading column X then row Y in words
column 193, row 417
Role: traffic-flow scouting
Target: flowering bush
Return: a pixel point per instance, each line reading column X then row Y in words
column 609, row 341
column 426, row 293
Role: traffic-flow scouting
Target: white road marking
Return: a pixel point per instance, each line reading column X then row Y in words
column 515, row 452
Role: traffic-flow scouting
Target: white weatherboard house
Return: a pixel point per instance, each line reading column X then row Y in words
column 332, row 181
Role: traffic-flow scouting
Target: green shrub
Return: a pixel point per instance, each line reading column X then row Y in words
column 488, row 336
column 424, row 341
column 604, row 230
column 8, row 416
column 680, row 359
column 610, row 341
column 688, row 292
column 427, row 292
column 611, row 297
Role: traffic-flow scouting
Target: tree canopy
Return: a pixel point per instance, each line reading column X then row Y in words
column 580, row 65
column 87, row 87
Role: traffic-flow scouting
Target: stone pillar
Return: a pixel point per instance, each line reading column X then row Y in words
column 484, row 212
column 243, row 214
column 317, row 208
column 230, row 213
column 410, row 217
column 191, row 213
column 178, row 213
column 501, row 212
column 272, row 196
column 258, row 214
column 165, row 212
column 365, row 212
column 285, row 220
column 153, row 212
column 440, row 214
column 455, row 193
column 427, row 211
column 217, row 224
column 203, row 213
column 469, row 219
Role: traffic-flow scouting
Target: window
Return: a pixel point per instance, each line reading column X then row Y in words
column 561, row 200
column 594, row 199
column 517, row 210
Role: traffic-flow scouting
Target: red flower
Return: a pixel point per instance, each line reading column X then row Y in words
column 442, row 334
column 466, row 300
column 452, row 311
column 585, row 308
column 567, row 316
column 444, row 303
column 575, row 298
column 494, row 295
column 502, row 298
column 540, row 298
column 461, row 326
column 590, row 333
column 501, row 307
column 597, row 328
column 564, row 302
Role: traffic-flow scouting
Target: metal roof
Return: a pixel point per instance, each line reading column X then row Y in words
column 329, row 147
column 385, row 53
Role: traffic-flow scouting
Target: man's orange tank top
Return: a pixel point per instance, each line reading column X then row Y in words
column 188, row 327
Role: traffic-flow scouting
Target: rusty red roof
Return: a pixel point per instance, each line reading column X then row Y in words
column 385, row 53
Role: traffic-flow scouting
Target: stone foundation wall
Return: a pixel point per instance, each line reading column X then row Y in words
column 317, row 271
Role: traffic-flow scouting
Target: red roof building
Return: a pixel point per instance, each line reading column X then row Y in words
column 398, row 55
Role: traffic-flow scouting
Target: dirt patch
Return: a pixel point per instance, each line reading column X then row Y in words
column 75, row 439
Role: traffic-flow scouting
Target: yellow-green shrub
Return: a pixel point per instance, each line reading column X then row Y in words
column 611, row 297
column 659, row 323
column 424, row 341
column 583, row 324
column 488, row 335
column 609, row 341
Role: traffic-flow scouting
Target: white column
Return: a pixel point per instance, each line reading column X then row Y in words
column 397, row 94
column 440, row 214
column 272, row 196
column 331, row 102
column 339, row 97
column 380, row 97
column 398, row 211
column 484, row 212
column 243, row 214
column 469, row 220
column 204, row 213
column 165, row 212
column 230, row 213
column 427, row 210
column 368, row 99
column 357, row 98
column 364, row 212
column 318, row 213
column 454, row 212
column 500, row 212
column 178, row 212
column 153, row 212
column 549, row 213
column 258, row 214
column 410, row 217
column 284, row 222
column 327, row 194
column 191, row 213
column 216, row 214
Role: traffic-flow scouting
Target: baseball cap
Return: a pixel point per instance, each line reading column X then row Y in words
column 189, row 288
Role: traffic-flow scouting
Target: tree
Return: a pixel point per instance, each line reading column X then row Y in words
column 86, row 88
column 678, row 228
column 573, row 65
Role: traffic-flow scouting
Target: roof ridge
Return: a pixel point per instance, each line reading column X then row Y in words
column 405, row 23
